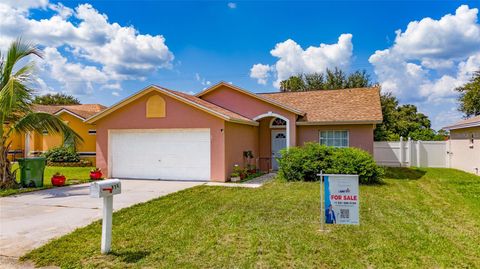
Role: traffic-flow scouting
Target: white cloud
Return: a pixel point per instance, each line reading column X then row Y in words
column 102, row 48
column 232, row 5
column 202, row 81
column 77, row 78
column 115, row 93
column 293, row 59
column 431, row 58
column 260, row 72
column 112, row 86
column 25, row 5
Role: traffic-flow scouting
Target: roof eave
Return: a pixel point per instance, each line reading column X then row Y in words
column 462, row 126
column 64, row 110
column 352, row 122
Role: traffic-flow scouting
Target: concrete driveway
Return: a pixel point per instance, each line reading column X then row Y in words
column 30, row 220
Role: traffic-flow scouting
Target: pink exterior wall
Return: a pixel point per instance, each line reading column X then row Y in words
column 249, row 106
column 239, row 138
column 265, row 146
column 360, row 136
column 178, row 115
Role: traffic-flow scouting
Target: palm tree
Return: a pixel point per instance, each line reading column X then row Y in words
column 16, row 113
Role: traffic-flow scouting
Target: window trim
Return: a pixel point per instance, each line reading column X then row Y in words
column 348, row 137
column 277, row 126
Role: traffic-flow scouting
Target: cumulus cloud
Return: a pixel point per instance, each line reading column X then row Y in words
column 232, row 5
column 293, row 59
column 260, row 72
column 108, row 52
column 430, row 59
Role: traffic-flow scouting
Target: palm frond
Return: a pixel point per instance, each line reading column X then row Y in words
column 15, row 93
column 40, row 121
column 17, row 51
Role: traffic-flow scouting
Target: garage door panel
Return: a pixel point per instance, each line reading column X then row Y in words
column 161, row 154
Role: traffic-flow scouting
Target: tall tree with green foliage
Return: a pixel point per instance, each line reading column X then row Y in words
column 403, row 120
column 469, row 99
column 56, row 99
column 16, row 114
column 330, row 80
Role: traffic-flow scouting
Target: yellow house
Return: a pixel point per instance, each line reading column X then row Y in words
column 32, row 144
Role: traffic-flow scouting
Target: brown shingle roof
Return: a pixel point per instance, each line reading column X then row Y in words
column 84, row 111
column 334, row 106
column 470, row 122
column 209, row 105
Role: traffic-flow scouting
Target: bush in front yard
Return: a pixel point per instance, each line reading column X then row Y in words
column 62, row 154
column 304, row 163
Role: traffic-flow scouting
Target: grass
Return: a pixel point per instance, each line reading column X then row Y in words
column 427, row 218
column 75, row 175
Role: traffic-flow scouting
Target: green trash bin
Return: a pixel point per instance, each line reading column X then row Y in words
column 31, row 171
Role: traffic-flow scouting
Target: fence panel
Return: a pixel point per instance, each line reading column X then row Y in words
column 387, row 153
column 411, row 153
column 433, row 154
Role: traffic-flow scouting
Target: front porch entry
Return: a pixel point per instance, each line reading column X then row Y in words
column 273, row 137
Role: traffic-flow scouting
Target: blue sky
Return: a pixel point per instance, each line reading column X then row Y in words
column 188, row 46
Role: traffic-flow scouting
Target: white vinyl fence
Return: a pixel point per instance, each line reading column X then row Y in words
column 411, row 153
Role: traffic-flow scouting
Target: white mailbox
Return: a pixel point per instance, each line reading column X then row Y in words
column 105, row 188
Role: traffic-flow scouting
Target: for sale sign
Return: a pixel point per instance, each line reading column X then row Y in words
column 341, row 199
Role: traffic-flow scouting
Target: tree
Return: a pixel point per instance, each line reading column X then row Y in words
column 331, row 80
column 56, row 99
column 16, row 114
column 404, row 121
column 469, row 99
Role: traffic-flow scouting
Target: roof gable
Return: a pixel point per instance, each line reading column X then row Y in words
column 179, row 96
column 254, row 95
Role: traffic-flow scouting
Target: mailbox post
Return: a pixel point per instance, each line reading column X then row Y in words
column 106, row 189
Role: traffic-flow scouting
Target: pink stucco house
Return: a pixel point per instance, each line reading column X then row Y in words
column 158, row 133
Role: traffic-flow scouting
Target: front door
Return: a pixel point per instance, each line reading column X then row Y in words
column 279, row 141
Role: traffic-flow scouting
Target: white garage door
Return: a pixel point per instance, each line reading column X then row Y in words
column 177, row 154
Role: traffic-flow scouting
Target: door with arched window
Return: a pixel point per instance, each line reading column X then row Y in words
column 279, row 141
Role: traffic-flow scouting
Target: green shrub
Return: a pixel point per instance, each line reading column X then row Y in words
column 304, row 163
column 62, row 154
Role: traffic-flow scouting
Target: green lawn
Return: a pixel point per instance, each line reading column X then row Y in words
column 75, row 175
column 427, row 218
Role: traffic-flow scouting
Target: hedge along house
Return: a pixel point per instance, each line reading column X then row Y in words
column 34, row 144
column 158, row 133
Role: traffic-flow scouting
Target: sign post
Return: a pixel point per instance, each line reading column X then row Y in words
column 106, row 189
column 340, row 201
column 322, row 203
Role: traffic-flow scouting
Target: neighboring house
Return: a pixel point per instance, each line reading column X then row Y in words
column 463, row 148
column 158, row 133
column 33, row 144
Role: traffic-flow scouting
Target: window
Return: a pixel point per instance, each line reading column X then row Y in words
column 278, row 123
column 44, row 132
column 155, row 107
column 471, row 141
column 338, row 139
column 92, row 132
